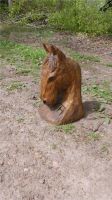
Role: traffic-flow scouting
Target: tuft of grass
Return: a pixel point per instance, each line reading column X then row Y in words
column 94, row 136
column 82, row 57
column 20, row 120
column 37, row 103
column 109, row 65
column 67, row 128
column 16, row 85
column 107, row 120
column 1, row 76
column 103, row 92
column 54, row 146
column 105, row 149
column 22, row 71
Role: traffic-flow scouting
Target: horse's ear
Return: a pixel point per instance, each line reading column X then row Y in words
column 49, row 48
column 46, row 47
column 58, row 52
column 54, row 50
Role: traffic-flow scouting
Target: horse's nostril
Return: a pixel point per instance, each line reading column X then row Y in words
column 44, row 101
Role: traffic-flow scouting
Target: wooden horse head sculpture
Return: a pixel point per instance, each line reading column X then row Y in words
column 60, row 88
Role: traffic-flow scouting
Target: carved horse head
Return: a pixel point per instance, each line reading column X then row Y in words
column 53, row 77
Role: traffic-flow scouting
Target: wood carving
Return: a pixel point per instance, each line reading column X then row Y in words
column 60, row 88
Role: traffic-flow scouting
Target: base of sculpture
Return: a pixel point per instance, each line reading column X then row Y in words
column 51, row 115
column 57, row 115
column 60, row 88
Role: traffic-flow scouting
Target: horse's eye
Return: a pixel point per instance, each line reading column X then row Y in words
column 51, row 78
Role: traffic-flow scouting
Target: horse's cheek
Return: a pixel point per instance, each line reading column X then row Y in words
column 52, row 92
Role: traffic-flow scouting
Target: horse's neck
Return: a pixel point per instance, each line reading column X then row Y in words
column 73, row 98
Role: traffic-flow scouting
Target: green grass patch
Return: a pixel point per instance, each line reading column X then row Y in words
column 26, row 33
column 16, row 85
column 22, row 71
column 105, row 149
column 20, row 120
column 26, row 59
column 24, row 51
column 67, row 128
column 94, row 136
column 82, row 16
column 54, row 146
column 82, row 57
column 1, row 76
column 109, row 65
column 103, row 92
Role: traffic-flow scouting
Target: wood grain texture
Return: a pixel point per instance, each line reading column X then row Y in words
column 60, row 88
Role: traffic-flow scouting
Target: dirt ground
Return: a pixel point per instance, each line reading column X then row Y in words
column 38, row 161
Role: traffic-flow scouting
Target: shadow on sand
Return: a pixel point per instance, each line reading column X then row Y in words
column 91, row 107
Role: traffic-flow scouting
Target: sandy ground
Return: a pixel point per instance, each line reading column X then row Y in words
column 39, row 162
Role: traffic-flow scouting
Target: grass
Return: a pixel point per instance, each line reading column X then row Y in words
column 16, row 85
column 20, row 120
column 82, row 16
column 94, row 136
column 76, row 16
column 105, row 149
column 22, row 71
column 37, row 103
column 107, row 120
column 103, row 92
column 54, row 146
column 1, row 76
column 82, row 57
column 26, row 59
column 22, row 32
column 25, row 52
column 109, row 65
column 67, row 128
